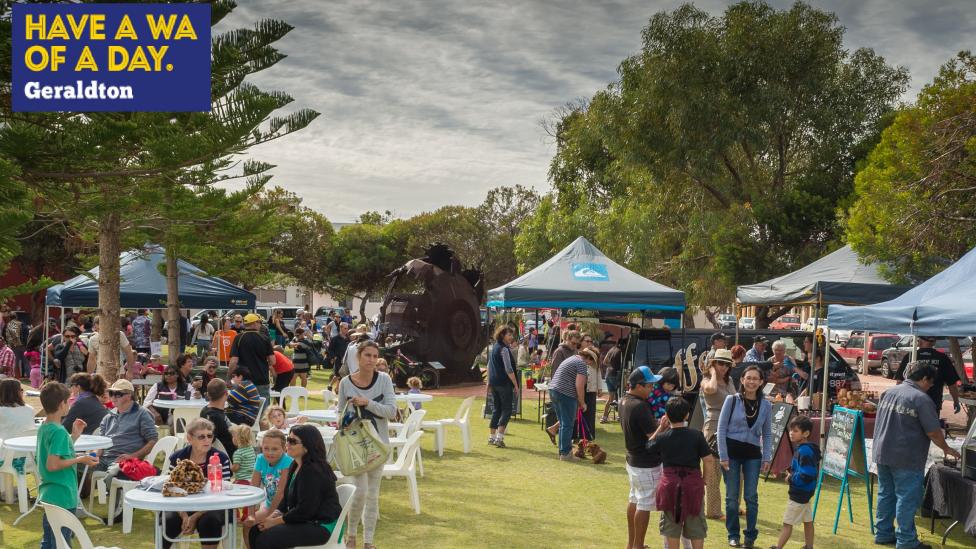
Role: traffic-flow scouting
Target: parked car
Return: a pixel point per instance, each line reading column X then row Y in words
column 747, row 323
column 967, row 363
column 807, row 325
column 853, row 350
column 726, row 321
column 891, row 357
column 840, row 336
column 786, row 322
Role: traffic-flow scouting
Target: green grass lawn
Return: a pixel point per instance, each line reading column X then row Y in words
column 520, row 496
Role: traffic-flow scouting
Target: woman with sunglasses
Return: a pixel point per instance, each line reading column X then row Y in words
column 209, row 524
column 171, row 387
column 372, row 393
column 310, row 507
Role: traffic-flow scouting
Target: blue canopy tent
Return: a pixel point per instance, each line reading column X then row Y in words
column 143, row 286
column 942, row 305
column 580, row 276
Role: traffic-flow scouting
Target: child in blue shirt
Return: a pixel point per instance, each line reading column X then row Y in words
column 270, row 472
column 803, row 482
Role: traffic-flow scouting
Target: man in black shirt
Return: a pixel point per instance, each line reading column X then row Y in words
column 253, row 352
column 643, row 464
column 928, row 354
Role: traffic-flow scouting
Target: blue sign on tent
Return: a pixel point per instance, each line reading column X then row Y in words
column 595, row 272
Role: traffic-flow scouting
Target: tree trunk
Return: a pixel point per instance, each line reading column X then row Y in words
column 955, row 351
column 109, row 312
column 362, row 308
column 174, row 334
column 156, row 332
column 710, row 315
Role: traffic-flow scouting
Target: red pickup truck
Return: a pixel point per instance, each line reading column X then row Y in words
column 853, row 350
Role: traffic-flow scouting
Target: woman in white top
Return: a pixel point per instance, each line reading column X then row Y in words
column 372, row 392
column 203, row 336
column 16, row 418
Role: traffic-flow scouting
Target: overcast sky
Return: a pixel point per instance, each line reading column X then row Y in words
column 432, row 102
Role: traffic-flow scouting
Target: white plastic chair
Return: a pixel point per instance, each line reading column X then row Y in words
column 460, row 419
column 411, row 426
column 182, row 417
column 346, row 492
column 406, row 466
column 294, row 393
column 256, row 427
column 61, row 518
column 165, row 446
column 10, row 480
column 328, row 397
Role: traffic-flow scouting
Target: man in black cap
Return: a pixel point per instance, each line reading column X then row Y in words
column 719, row 341
column 928, row 354
column 758, row 351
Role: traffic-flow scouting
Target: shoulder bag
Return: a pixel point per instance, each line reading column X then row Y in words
column 358, row 447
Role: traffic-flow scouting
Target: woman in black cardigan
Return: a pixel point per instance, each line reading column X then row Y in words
column 310, row 508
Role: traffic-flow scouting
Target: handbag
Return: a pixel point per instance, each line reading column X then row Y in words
column 137, row 469
column 358, row 447
column 713, row 439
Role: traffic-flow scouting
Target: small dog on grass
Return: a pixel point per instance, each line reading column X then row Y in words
column 596, row 453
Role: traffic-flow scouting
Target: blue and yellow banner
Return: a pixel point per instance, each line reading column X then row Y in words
column 111, row 57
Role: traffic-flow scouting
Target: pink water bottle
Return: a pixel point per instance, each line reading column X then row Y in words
column 215, row 474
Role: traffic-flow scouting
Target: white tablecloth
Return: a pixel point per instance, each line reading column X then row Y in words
column 196, row 403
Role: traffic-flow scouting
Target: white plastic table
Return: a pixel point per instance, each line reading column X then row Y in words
column 328, row 434
column 236, row 497
column 85, row 443
column 325, row 416
column 192, row 404
column 142, row 384
column 414, row 398
column 32, row 393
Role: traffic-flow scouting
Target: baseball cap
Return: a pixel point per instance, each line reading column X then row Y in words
column 122, row 385
column 643, row 375
column 251, row 317
column 717, row 336
column 761, row 339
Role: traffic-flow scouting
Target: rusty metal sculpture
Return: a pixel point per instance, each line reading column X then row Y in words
column 440, row 320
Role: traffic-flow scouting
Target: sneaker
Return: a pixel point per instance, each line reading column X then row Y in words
column 887, row 542
column 734, row 543
column 491, row 441
column 568, row 457
column 499, row 443
column 749, row 544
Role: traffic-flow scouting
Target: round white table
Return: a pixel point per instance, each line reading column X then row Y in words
column 325, row 416
column 236, row 497
column 32, row 393
column 192, row 404
column 142, row 384
column 85, row 443
column 414, row 398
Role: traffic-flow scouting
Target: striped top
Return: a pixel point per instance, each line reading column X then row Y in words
column 244, row 459
column 564, row 380
column 244, row 400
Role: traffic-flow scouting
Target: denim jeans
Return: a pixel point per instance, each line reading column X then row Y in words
column 899, row 497
column 748, row 471
column 566, row 407
column 47, row 541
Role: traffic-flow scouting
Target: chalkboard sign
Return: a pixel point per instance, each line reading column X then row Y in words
column 840, row 438
column 782, row 414
column 844, row 456
column 516, row 402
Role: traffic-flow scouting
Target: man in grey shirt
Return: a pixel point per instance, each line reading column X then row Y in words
column 907, row 421
column 130, row 427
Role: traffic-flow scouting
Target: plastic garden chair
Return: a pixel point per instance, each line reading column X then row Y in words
column 165, row 446
column 346, row 492
column 460, row 420
column 61, row 518
column 294, row 393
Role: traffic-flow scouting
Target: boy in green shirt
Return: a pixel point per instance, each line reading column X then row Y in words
column 56, row 457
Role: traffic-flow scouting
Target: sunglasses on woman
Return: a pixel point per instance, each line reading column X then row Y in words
column 208, row 436
column 293, row 441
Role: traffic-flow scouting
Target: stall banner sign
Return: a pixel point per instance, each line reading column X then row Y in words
column 111, row 57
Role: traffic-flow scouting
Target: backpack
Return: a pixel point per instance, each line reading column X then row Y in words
column 313, row 355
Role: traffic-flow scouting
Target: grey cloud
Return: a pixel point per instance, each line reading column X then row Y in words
column 433, row 102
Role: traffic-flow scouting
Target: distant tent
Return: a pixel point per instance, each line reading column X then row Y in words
column 143, row 286
column 940, row 306
column 581, row 277
column 838, row 277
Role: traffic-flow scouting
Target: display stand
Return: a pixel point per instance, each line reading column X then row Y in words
column 844, row 457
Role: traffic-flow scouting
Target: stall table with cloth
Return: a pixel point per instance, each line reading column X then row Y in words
column 783, row 455
column 948, row 494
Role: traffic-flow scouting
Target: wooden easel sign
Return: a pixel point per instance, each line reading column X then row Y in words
column 844, row 457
